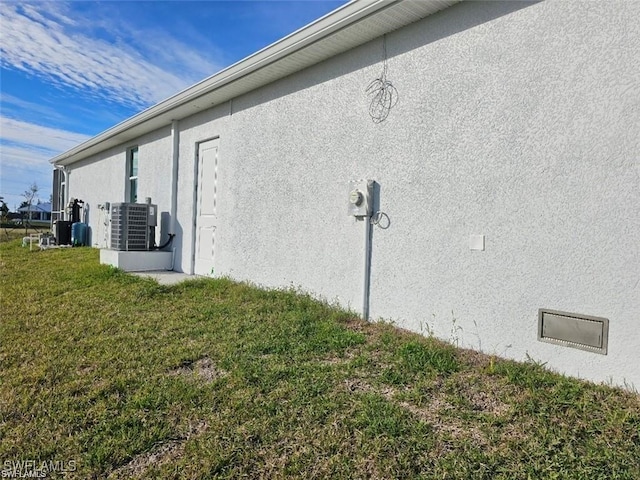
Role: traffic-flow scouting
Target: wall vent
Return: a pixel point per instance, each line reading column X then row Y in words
column 573, row 330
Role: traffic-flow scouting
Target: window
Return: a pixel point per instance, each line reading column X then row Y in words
column 132, row 172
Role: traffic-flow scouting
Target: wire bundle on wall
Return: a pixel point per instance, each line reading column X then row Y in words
column 384, row 94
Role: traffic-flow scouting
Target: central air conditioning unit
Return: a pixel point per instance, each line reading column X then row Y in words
column 133, row 226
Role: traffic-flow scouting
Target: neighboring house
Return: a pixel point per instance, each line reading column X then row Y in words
column 507, row 172
column 39, row 212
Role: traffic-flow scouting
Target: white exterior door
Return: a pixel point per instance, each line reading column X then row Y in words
column 206, row 208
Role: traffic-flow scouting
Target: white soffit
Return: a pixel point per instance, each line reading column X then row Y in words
column 354, row 24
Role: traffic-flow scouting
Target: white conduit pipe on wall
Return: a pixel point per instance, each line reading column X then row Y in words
column 367, row 268
column 175, row 137
column 67, row 186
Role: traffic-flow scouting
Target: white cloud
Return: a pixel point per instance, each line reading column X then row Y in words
column 86, row 49
column 52, row 12
column 22, row 156
column 15, row 180
column 41, row 39
column 25, row 151
column 18, row 137
column 13, row 106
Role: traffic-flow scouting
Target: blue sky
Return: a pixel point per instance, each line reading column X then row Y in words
column 70, row 70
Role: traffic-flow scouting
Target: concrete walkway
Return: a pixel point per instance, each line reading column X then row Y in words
column 164, row 277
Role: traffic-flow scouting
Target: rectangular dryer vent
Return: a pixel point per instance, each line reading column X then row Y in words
column 574, row 330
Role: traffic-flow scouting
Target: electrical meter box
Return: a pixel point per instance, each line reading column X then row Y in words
column 360, row 198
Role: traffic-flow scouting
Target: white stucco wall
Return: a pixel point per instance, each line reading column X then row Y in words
column 517, row 121
column 526, row 129
column 154, row 176
column 95, row 181
column 104, row 178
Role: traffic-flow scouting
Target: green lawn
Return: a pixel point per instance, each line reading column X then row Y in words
column 110, row 375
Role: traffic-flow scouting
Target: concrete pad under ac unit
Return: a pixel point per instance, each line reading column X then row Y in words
column 136, row 261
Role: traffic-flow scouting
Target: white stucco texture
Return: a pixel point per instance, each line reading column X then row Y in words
column 516, row 121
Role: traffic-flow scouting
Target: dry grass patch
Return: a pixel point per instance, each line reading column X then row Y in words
column 203, row 369
column 165, row 452
column 481, row 392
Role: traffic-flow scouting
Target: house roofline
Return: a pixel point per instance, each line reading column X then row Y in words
column 198, row 96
